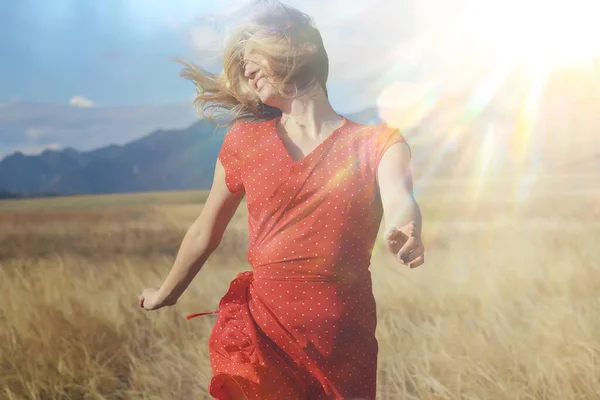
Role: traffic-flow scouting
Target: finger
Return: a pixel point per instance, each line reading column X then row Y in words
column 417, row 261
column 418, row 250
column 409, row 246
column 394, row 238
column 141, row 302
column 409, row 229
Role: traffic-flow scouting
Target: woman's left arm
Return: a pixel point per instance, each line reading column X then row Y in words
column 402, row 216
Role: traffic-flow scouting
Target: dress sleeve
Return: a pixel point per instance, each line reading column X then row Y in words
column 230, row 159
column 387, row 137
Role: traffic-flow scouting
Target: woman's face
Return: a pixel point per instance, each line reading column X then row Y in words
column 260, row 78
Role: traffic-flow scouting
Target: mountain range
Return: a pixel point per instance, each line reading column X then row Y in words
column 162, row 160
column 175, row 159
column 444, row 144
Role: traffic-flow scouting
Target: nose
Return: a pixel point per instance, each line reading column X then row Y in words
column 250, row 69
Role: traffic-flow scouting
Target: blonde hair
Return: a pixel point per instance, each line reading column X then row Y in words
column 290, row 42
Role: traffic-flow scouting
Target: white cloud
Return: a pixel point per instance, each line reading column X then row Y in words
column 206, row 39
column 80, row 101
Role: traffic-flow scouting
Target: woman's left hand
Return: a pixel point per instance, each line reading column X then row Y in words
column 407, row 247
column 150, row 300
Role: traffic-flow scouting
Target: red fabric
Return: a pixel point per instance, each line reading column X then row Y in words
column 301, row 324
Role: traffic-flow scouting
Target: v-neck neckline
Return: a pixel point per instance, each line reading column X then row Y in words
column 291, row 160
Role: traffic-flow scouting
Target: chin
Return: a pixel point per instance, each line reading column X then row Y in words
column 270, row 99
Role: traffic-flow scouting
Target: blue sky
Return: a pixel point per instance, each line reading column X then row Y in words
column 89, row 73
column 113, row 52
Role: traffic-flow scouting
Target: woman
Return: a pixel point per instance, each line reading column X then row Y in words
column 300, row 324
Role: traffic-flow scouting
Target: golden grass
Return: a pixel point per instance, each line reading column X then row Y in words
column 506, row 307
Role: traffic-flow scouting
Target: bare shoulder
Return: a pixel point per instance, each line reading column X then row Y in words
column 397, row 154
column 395, row 151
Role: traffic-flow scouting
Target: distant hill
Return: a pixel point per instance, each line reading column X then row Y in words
column 449, row 138
column 5, row 194
column 162, row 160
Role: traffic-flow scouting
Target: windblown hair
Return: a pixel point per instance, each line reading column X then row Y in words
column 290, row 42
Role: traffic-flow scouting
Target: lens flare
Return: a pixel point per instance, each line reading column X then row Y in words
column 503, row 90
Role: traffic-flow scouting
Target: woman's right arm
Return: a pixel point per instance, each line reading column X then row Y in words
column 201, row 239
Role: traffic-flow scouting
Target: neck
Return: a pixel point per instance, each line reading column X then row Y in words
column 309, row 114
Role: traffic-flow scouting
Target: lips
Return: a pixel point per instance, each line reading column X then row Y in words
column 256, row 81
column 260, row 84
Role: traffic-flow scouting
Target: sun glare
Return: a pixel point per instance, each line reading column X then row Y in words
column 503, row 88
column 537, row 34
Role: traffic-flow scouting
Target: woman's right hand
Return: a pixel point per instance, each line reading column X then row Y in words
column 150, row 300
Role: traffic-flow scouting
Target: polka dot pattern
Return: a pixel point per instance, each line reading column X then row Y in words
column 301, row 323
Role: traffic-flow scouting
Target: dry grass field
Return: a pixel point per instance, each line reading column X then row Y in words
column 507, row 305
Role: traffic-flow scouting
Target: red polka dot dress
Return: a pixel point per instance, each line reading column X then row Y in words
column 301, row 323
